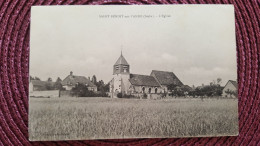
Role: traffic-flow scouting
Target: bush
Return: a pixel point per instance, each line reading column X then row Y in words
column 119, row 95
column 145, row 96
column 163, row 95
column 81, row 90
column 128, row 96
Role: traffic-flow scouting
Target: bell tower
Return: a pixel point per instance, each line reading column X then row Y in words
column 121, row 76
column 121, row 66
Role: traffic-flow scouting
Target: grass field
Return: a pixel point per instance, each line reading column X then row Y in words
column 105, row 118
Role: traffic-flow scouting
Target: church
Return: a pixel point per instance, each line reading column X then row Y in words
column 127, row 83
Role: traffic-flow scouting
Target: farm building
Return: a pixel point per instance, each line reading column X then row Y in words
column 37, row 85
column 71, row 80
column 230, row 89
column 125, row 82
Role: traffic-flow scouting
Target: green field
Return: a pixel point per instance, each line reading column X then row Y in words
column 105, row 118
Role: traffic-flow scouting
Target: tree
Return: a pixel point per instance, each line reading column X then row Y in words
column 100, row 85
column 213, row 89
column 172, row 88
column 219, row 80
column 58, row 79
column 49, row 79
column 180, row 91
column 58, row 85
column 81, row 90
column 106, row 87
column 228, row 92
column 231, row 92
column 94, row 79
column 102, row 88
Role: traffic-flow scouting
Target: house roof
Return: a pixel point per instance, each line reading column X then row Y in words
column 41, row 83
column 187, row 87
column 72, row 80
column 121, row 61
column 143, row 80
column 232, row 82
column 166, row 78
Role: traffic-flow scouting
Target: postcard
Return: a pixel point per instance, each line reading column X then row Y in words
column 131, row 71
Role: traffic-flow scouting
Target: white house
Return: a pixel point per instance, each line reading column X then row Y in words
column 230, row 89
column 71, row 80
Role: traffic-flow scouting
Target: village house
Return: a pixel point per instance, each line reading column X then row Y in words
column 71, row 80
column 126, row 83
column 37, row 85
column 229, row 88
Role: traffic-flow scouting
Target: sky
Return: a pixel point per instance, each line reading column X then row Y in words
column 197, row 43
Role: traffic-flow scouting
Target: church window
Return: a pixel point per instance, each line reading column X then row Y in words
column 149, row 90
column 156, row 90
column 143, row 90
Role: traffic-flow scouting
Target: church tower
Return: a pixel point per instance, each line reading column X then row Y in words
column 121, row 76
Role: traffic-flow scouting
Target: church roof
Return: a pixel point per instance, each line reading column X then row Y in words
column 121, row 60
column 166, row 78
column 72, row 80
column 143, row 80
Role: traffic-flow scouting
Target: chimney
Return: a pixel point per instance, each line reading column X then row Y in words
column 71, row 73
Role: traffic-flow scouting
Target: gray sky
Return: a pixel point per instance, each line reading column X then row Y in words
column 197, row 43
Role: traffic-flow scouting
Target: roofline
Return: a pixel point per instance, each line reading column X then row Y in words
column 76, row 76
column 121, row 64
column 159, row 85
column 162, row 71
column 229, row 81
column 167, row 72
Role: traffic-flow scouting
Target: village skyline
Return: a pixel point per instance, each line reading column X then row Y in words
column 61, row 43
column 89, row 76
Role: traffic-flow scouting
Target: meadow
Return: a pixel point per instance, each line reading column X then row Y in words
column 106, row 118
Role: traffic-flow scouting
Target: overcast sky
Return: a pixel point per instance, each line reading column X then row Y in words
column 197, row 43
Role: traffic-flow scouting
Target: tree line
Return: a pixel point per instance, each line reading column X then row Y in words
column 80, row 90
column 213, row 89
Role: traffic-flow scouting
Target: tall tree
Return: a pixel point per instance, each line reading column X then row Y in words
column 58, row 79
column 58, row 85
column 219, row 80
column 94, row 79
column 49, row 79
